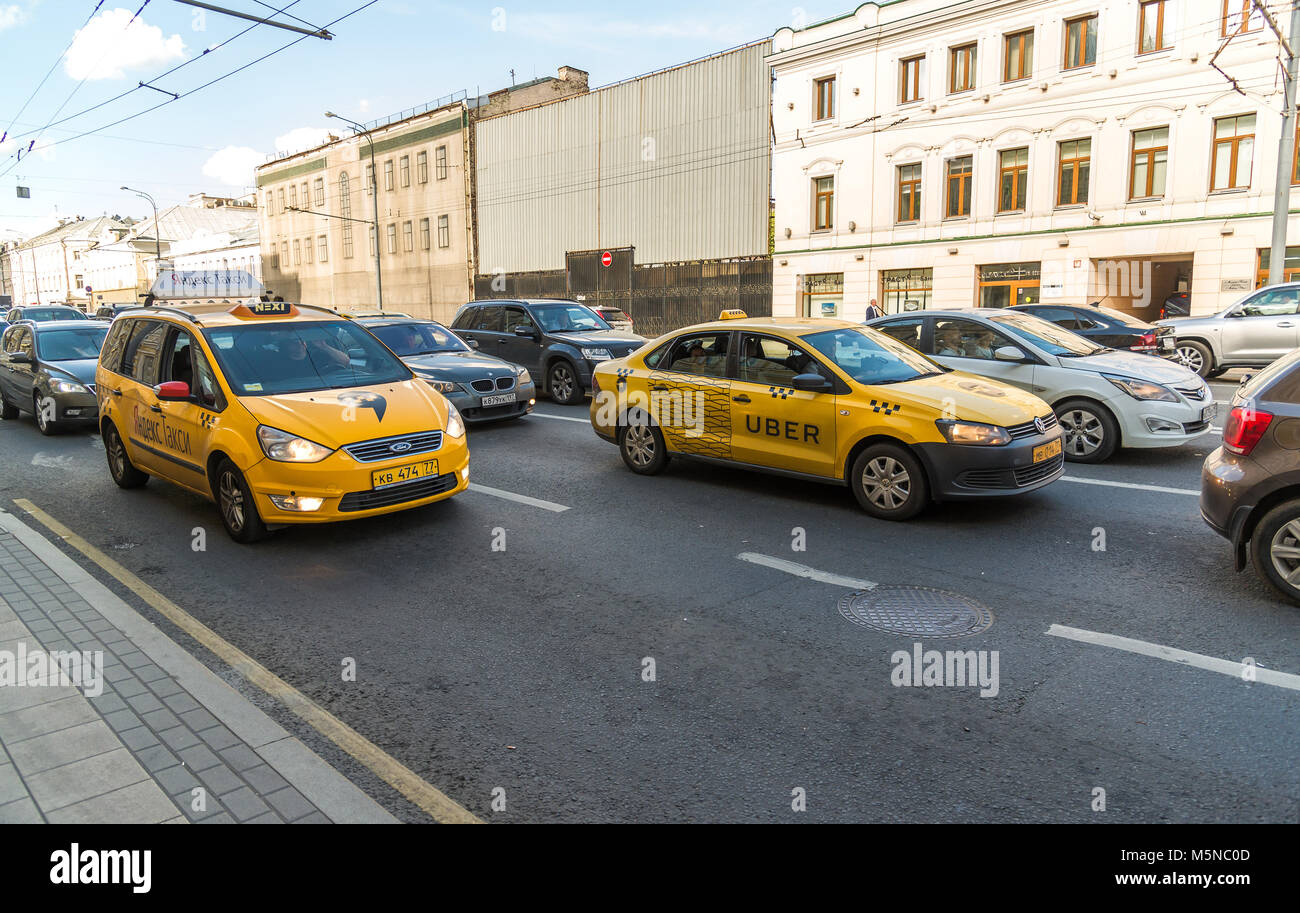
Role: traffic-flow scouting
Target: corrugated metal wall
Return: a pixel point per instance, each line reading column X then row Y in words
column 676, row 164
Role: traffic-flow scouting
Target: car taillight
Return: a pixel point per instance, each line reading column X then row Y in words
column 595, row 384
column 1244, row 429
column 1145, row 341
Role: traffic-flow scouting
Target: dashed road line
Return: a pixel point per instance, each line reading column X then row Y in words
column 1173, row 655
column 517, row 498
column 1194, row 492
column 802, row 570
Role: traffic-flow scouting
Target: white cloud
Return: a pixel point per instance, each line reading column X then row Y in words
column 107, row 47
column 233, row 165
column 10, row 16
column 364, row 106
column 301, row 139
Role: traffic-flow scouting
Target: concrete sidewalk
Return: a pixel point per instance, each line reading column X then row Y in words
column 165, row 741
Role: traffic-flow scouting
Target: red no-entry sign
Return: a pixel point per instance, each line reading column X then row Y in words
column 606, row 259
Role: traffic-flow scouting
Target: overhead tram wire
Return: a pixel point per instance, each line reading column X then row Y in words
column 49, row 72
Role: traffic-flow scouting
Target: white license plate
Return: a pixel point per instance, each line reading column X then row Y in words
column 503, row 400
column 1207, row 414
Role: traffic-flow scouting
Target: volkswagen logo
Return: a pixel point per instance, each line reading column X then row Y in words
column 400, row 447
column 1040, row 425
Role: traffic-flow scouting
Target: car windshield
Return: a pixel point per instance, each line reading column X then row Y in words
column 300, row 357
column 1047, row 336
column 408, row 339
column 568, row 318
column 872, row 358
column 70, row 345
column 40, row 315
column 1128, row 320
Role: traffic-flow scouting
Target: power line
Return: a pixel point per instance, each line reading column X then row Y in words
column 49, row 72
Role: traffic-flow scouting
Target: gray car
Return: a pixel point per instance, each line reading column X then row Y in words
column 482, row 387
column 48, row 369
column 1255, row 331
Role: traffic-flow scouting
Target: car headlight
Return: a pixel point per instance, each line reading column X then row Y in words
column 67, row 386
column 442, row 386
column 455, row 425
column 522, row 376
column 597, row 354
column 284, row 447
column 1142, row 389
column 974, row 433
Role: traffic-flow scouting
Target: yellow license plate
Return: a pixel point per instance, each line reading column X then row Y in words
column 382, row 478
column 1047, row 451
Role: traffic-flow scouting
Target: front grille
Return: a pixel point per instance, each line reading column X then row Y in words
column 1200, row 394
column 987, row 478
column 1195, row 427
column 483, row 386
column 382, row 449
column 505, row 383
column 1028, row 429
column 1036, row 473
column 397, row 494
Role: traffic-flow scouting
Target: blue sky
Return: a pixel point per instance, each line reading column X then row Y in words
column 393, row 55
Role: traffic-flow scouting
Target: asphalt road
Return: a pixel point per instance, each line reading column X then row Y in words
column 523, row 669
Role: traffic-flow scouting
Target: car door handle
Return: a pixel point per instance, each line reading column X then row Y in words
column 115, row 392
column 742, row 398
column 659, row 388
column 1286, row 323
column 155, row 408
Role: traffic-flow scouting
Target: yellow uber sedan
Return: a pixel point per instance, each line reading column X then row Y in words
column 281, row 413
column 827, row 400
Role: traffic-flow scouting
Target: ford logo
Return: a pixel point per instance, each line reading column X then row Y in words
column 1040, row 425
column 400, row 447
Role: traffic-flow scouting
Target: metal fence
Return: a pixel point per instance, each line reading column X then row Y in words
column 660, row 297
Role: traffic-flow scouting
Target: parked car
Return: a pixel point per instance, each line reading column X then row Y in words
column 617, row 318
column 483, row 387
column 109, row 311
column 44, row 313
column 1255, row 331
column 48, row 369
column 1179, row 304
column 1250, row 487
column 1104, row 399
column 1104, row 326
column 558, row 341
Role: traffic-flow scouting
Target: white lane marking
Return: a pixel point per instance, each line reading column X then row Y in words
column 1170, row 654
column 518, row 499
column 802, row 570
column 562, row 418
column 1158, row 488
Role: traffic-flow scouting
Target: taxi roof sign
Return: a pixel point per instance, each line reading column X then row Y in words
column 735, row 314
column 264, row 309
column 172, row 285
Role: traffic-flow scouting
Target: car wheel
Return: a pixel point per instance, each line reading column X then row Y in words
column 642, row 446
column 562, row 384
column 1091, row 433
column 1195, row 356
column 889, row 483
column 120, row 466
column 41, row 411
column 1275, row 549
column 8, row 411
column 238, row 510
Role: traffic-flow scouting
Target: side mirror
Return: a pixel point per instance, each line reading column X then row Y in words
column 174, row 391
column 1009, row 353
column 527, row 331
column 20, row 358
column 811, row 383
column 472, row 343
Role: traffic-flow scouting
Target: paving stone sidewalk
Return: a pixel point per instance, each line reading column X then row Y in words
column 157, row 734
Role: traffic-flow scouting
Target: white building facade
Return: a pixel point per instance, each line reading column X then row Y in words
column 986, row 152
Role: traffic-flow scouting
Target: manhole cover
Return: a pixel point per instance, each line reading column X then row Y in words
column 916, row 611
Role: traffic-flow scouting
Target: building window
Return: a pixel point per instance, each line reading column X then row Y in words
column 306, row 251
column 1150, row 163
column 306, row 196
column 1074, row 164
column 284, row 253
column 1151, row 27
column 370, row 179
column 345, row 195
column 373, row 249
column 422, row 167
column 293, row 196
column 444, row 231
column 1234, row 146
column 961, row 69
column 424, row 234
column 823, row 203
column 408, row 237
column 825, row 98
column 1013, row 179
column 910, row 78
column 909, row 192
column 347, row 242
column 1239, row 16
column 388, row 175
column 406, row 171
column 906, row 289
column 1018, row 56
column 392, row 238
column 297, row 252
column 441, row 163
column 320, row 193
column 270, row 203
column 1080, row 42
column 960, row 171
column 323, row 248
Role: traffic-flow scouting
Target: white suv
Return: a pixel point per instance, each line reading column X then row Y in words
column 1256, row 331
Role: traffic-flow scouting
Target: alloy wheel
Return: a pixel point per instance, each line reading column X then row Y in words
column 117, row 456
column 1191, row 358
column 561, row 382
column 887, row 483
column 232, row 501
column 1284, row 551
column 1084, row 432
column 639, row 443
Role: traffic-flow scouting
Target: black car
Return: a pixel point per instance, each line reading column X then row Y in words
column 1250, row 487
column 109, row 311
column 48, row 369
column 45, row 312
column 558, row 341
column 1104, row 326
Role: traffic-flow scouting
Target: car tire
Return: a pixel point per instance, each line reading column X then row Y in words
column 1278, row 531
column 45, row 426
column 1091, row 432
column 642, row 445
column 563, row 384
column 235, row 502
column 8, row 411
column 120, row 466
column 1195, row 356
column 889, row 482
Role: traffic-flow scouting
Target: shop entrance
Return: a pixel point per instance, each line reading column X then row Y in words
column 1005, row 284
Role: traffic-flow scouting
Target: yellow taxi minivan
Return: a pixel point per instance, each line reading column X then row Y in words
column 826, row 400
column 280, row 413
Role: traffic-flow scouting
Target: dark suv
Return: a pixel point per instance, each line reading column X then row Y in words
column 1250, row 487
column 558, row 341
column 45, row 312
